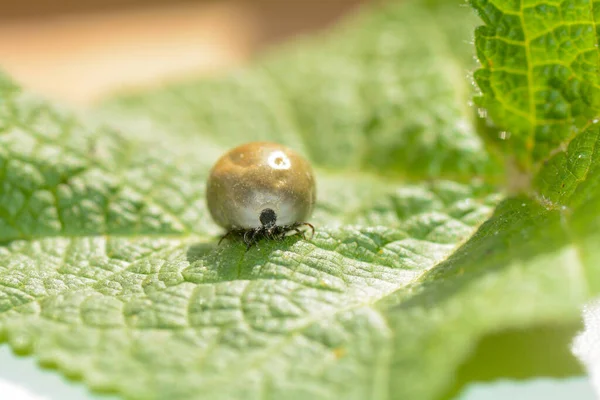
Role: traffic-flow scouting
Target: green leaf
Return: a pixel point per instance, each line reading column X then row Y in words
column 533, row 263
column 174, row 315
column 539, row 75
column 109, row 264
column 535, row 260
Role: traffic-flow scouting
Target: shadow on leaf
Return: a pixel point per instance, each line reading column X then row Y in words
column 232, row 260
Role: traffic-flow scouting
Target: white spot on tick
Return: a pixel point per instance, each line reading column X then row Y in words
column 278, row 160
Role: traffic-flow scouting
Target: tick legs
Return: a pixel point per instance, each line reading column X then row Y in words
column 225, row 236
column 252, row 236
column 298, row 225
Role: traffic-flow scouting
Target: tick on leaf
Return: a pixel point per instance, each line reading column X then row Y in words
column 261, row 190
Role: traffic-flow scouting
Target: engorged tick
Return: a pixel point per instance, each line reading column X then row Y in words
column 261, row 190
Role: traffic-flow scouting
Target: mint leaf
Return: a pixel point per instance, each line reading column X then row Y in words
column 173, row 315
column 539, row 75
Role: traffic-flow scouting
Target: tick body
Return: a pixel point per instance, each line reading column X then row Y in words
column 261, row 190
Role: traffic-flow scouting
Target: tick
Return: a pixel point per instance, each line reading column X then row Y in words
column 261, row 190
